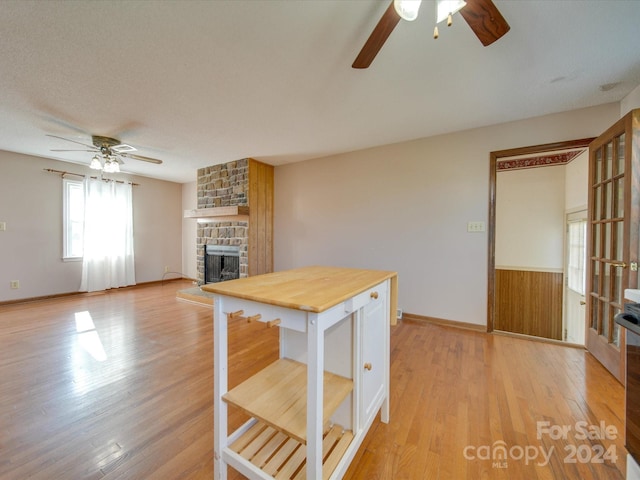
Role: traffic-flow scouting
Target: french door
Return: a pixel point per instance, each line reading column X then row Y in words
column 614, row 204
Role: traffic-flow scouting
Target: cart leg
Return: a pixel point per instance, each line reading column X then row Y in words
column 220, row 363
column 315, row 378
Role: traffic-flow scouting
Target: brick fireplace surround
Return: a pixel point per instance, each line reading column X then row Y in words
column 221, row 186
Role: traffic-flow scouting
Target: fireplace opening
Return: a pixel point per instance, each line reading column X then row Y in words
column 221, row 262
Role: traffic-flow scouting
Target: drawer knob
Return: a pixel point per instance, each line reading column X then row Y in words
column 368, row 366
column 374, row 295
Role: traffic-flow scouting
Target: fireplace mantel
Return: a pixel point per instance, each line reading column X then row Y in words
column 235, row 213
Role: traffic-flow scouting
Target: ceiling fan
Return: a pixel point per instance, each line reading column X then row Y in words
column 483, row 17
column 108, row 152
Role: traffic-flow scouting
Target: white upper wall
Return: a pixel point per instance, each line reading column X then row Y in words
column 189, row 231
column 577, row 183
column 531, row 205
column 630, row 102
column 405, row 207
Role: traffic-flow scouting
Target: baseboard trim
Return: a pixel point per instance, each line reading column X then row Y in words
column 442, row 322
column 552, row 341
column 88, row 294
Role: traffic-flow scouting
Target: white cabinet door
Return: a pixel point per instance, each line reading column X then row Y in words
column 374, row 325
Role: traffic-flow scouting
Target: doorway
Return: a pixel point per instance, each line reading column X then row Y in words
column 519, row 285
column 574, row 318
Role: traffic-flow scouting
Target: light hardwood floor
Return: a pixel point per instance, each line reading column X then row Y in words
column 128, row 395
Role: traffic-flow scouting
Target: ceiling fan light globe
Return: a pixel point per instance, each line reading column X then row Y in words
column 95, row 163
column 407, row 9
column 447, row 7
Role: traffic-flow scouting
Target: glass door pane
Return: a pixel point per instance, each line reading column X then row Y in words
column 605, row 284
column 620, row 154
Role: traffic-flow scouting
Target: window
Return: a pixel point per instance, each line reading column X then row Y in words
column 577, row 237
column 72, row 218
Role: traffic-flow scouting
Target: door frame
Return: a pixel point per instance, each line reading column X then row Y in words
column 491, row 228
column 583, row 214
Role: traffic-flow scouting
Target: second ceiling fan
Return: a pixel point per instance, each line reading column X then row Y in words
column 483, row 17
column 108, row 152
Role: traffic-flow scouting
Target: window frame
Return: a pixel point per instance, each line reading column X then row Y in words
column 577, row 255
column 70, row 186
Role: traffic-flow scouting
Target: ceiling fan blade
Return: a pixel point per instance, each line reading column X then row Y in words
column 485, row 20
column 73, row 150
column 140, row 157
column 376, row 40
column 73, row 141
column 123, row 148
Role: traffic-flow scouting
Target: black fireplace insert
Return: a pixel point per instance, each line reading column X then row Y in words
column 221, row 262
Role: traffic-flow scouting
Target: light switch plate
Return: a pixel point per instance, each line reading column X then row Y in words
column 475, row 227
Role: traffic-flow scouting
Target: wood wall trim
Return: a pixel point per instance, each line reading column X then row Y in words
column 542, row 148
column 530, row 269
column 442, row 322
column 539, row 339
column 91, row 294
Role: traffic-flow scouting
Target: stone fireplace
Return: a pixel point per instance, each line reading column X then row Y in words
column 222, row 186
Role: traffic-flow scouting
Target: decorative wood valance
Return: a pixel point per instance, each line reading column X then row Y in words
column 538, row 161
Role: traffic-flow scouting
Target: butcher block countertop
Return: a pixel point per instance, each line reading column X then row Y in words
column 312, row 289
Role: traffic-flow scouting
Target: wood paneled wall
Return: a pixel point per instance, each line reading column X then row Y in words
column 529, row 303
column 260, row 256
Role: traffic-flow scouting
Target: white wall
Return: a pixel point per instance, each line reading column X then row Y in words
column 631, row 101
column 31, row 248
column 189, row 231
column 530, row 213
column 405, row 207
column 577, row 183
column 530, row 206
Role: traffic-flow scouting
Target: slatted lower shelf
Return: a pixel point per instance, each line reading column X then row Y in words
column 283, row 457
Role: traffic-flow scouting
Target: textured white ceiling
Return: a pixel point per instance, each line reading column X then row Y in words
column 195, row 83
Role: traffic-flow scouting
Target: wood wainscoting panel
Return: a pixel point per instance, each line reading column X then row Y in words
column 529, row 302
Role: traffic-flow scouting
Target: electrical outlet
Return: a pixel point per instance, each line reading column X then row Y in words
column 399, row 313
column 166, row 269
column 475, row 227
column 3, row 226
column 14, row 284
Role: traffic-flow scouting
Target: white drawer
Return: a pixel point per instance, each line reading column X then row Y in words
column 377, row 293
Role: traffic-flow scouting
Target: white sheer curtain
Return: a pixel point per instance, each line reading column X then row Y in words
column 108, row 236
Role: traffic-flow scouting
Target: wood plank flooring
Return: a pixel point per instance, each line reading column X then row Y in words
column 119, row 386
